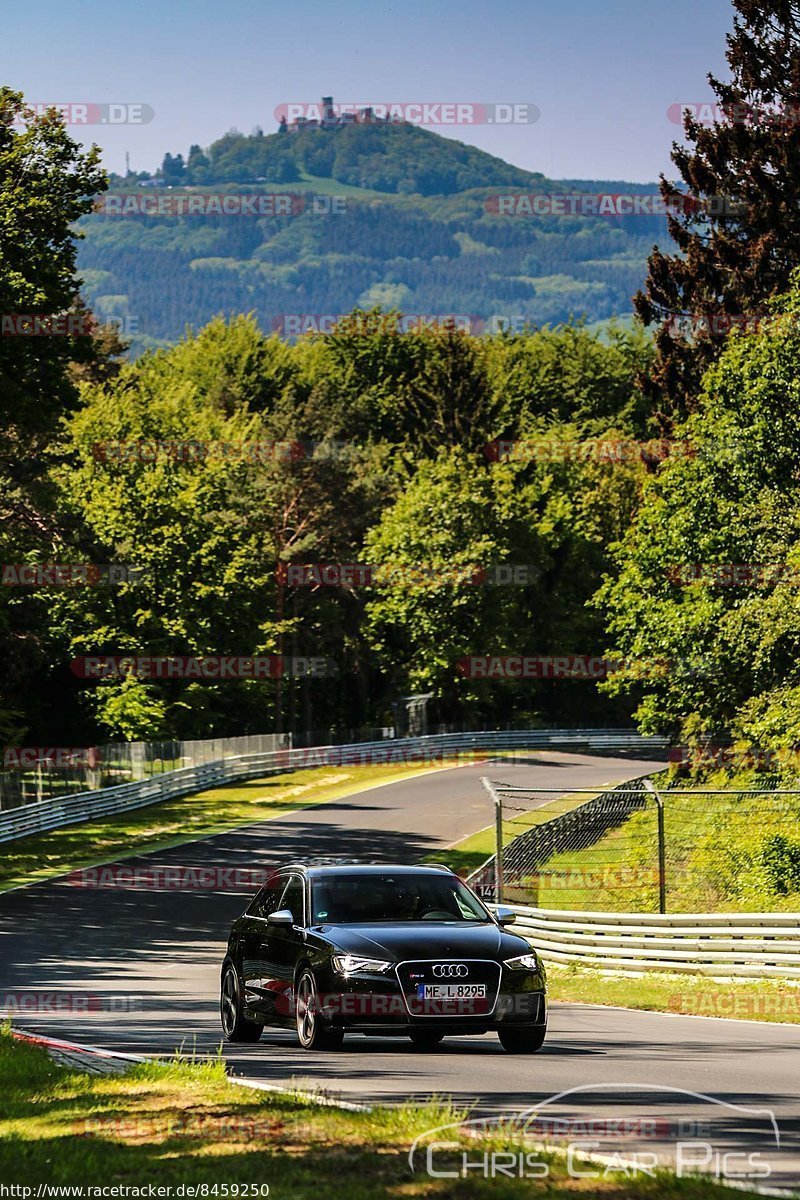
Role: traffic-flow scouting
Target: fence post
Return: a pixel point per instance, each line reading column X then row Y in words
column 498, row 839
column 662, row 849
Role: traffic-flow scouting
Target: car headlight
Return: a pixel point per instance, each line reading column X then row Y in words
column 525, row 962
column 354, row 964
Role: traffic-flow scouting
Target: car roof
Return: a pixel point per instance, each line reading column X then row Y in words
column 326, row 870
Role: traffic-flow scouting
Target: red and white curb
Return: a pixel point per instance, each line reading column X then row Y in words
column 93, row 1059
column 98, row 1061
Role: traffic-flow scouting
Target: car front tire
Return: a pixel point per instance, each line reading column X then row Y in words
column 313, row 1031
column 235, row 1025
column 522, row 1041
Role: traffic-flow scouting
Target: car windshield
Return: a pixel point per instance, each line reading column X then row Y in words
column 353, row 899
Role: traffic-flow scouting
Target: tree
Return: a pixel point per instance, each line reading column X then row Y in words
column 738, row 231
column 173, row 171
column 46, row 184
column 707, row 581
column 459, row 513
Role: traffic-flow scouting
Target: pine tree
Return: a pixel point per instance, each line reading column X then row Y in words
column 738, row 230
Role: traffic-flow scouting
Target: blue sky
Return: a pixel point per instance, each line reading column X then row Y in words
column 602, row 72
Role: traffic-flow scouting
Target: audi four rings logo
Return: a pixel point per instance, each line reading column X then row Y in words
column 450, row 970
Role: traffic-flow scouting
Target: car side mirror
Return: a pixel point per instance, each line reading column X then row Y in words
column 505, row 915
column 284, row 916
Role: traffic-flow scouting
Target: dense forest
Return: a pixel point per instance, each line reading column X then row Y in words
column 387, row 215
column 214, row 465
column 534, row 525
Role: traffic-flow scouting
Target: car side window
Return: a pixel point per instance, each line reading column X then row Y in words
column 268, row 899
column 292, row 898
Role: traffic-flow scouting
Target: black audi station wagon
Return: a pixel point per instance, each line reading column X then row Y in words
column 379, row 950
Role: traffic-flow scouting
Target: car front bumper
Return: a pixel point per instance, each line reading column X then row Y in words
column 389, row 1002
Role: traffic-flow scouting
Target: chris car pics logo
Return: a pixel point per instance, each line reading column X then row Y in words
column 625, row 1131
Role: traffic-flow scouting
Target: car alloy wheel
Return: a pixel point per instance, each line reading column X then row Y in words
column 235, row 1026
column 313, row 1031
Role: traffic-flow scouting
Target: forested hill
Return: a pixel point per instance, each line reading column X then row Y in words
column 395, row 159
column 389, row 215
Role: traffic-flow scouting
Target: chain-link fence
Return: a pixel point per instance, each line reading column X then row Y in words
column 42, row 773
column 645, row 846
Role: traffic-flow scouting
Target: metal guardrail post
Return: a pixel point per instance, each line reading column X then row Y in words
column 498, row 836
column 662, row 847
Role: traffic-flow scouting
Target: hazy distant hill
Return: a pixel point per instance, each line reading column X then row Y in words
column 418, row 230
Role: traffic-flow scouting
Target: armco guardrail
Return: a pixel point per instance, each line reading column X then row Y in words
column 30, row 775
column 69, row 810
column 746, row 945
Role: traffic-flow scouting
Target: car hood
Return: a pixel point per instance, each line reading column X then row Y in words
column 425, row 939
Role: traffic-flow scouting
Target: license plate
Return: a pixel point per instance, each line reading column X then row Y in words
column 451, row 991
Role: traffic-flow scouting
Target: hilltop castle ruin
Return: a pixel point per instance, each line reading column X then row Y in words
column 326, row 115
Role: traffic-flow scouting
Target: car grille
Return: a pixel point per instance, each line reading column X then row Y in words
column 483, row 972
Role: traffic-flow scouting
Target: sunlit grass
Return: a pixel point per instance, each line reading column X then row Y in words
column 181, row 1122
column 752, row 1000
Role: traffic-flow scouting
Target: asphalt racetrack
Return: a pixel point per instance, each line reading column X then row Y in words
column 137, row 970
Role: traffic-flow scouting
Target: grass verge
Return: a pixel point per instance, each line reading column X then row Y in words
column 762, row 1000
column 182, row 1123
column 468, row 854
column 726, row 851
column 184, row 819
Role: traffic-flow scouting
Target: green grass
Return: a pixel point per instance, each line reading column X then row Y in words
column 184, row 1123
column 727, row 852
column 764, row 1000
column 184, row 819
column 469, row 853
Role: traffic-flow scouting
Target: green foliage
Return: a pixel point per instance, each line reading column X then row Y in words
column 732, row 650
column 385, row 158
column 37, row 276
column 391, row 432
column 130, row 711
column 780, row 861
